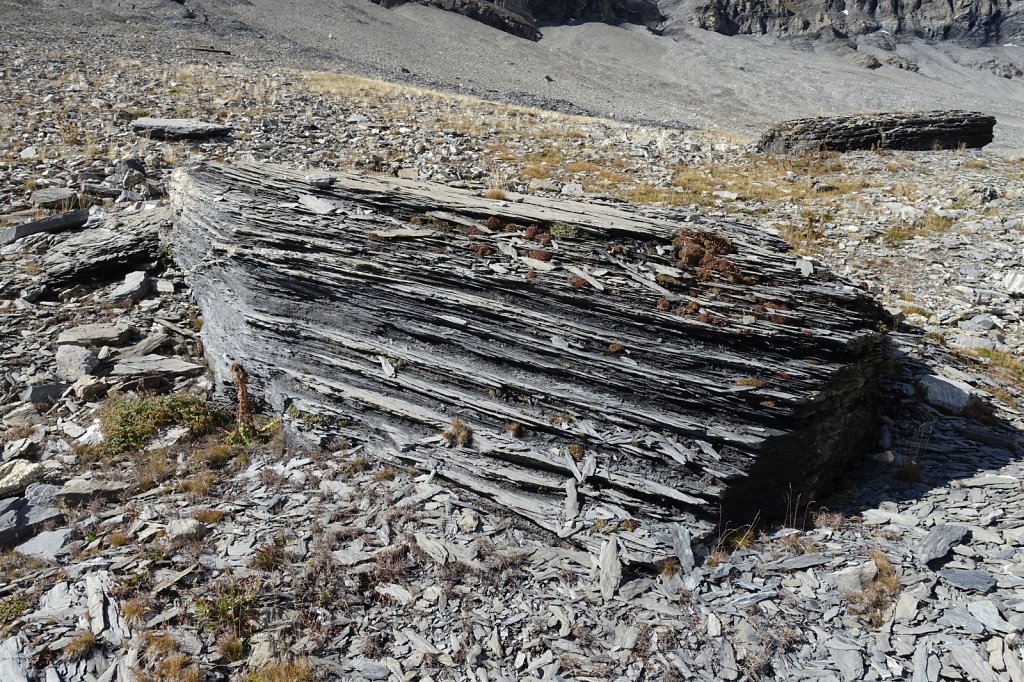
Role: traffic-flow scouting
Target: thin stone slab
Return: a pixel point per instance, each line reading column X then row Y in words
column 156, row 364
column 939, row 541
column 179, row 128
column 67, row 221
column 100, row 334
column 46, row 545
column 967, row 579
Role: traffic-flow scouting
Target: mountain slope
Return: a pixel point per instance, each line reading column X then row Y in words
column 687, row 77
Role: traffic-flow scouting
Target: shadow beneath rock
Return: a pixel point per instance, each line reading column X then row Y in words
column 943, row 429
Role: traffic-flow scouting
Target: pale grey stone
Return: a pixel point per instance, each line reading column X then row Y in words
column 82, row 490
column 682, row 548
column 178, row 128
column 972, row 663
column 950, row 395
column 988, row 613
column 853, row 578
column 186, row 529
column 610, row 568
column 958, row 617
column 849, row 662
column 74, row 362
column 102, row 334
column 17, row 474
column 14, row 449
column 14, row 665
column 54, row 197
column 134, row 287
column 156, row 364
column 43, row 393
column 46, row 545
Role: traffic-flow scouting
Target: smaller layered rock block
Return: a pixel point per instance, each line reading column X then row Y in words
column 915, row 130
column 179, row 128
column 593, row 368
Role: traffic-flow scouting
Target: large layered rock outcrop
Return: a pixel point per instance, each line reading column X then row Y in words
column 574, row 362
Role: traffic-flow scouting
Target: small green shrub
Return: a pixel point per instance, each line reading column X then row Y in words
column 231, row 606
column 11, row 608
column 130, row 422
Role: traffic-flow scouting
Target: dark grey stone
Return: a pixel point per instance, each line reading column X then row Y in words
column 939, row 541
column 46, row 545
column 966, row 579
column 67, row 221
column 55, row 197
column 43, row 393
column 917, row 130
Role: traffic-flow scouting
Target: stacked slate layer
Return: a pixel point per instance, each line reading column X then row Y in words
column 915, row 131
column 593, row 368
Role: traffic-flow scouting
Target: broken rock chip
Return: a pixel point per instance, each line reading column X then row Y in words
column 134, row 287
column 938, row 542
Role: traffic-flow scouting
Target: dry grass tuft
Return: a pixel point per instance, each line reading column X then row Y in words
column 878, row 596
column 458, row 435
column 231, row 647
column 293, row 671
column 208, row 516
column 80, row 646
column 135, row 609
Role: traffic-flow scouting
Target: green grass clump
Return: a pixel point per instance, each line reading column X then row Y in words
column 130, row 422
column 11, row 608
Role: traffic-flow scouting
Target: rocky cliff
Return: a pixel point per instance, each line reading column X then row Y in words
column 973, row 22
column 521, row 17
